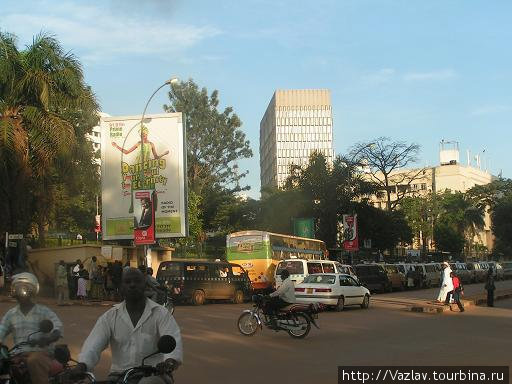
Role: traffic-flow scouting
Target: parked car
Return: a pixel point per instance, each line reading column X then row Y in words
column 477, row 272
column 199, row 280
column 374, row 277
column 461, row 270
column 336, row 290
column 507, row 269
column 395, row 276
column 300, row 268
column 409, row 271
column 430, row 275
column 497, row 269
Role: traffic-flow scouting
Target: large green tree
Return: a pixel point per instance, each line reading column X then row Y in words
column 502, row 223
column 329, row 191
column 215, row 141
column 420, row 212
column 40, row 88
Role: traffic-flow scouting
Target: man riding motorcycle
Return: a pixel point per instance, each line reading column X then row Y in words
column 132, row 329
column 284, row 295
column 23, row 320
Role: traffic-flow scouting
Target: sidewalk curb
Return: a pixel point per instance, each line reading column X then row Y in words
column 468, row 303
column 70, row 303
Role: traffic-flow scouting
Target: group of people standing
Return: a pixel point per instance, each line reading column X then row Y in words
column 95, row 282
column 452, row 289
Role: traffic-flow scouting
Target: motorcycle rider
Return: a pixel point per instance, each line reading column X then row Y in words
column 132, row 328
column 284, row 295
column 23, row 320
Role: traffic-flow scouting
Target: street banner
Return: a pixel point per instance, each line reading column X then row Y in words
column 350, row 242
column 97, row 224
column 304, row 227
column 144, row 227
column 157, row 164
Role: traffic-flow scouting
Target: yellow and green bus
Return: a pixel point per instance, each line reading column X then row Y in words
column 258, row 252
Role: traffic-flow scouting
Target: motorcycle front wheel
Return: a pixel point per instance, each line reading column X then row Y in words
column 302, row 326
column 248, row 324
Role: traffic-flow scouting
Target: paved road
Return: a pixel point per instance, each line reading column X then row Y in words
column 215, row 352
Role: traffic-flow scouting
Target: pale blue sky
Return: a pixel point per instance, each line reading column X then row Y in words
column 413, row 70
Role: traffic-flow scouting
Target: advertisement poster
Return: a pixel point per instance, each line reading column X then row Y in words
column 350, row 242
column 304, row 227
column 131, row 164
column 144, row 227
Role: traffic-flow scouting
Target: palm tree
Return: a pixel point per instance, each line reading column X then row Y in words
column 39, row 87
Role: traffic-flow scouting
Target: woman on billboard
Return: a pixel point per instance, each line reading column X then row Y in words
column 147, row 147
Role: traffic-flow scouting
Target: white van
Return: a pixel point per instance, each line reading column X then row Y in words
column 300, row 268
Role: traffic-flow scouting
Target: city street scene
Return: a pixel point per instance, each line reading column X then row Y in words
column 255, row 192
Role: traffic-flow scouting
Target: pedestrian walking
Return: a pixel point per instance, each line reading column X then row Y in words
column 490, row 287
column 446, row 284
column 75, row 274
column 97, row 284
column 61, row 282
column 117, row 274
column 81, row 292
column 458, row 290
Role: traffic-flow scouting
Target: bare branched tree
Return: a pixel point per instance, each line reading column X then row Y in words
column 387, row 162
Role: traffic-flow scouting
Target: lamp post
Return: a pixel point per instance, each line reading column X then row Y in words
column 171, row 81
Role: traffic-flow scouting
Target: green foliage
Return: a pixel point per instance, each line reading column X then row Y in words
column 327, row 191
column 419, row 213
column 487, row 196
column 502, row 222
column 448, row 239
column 45, row 110
column 385, row 229
column 214, row 139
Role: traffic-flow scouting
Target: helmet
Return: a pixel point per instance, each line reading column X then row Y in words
column 24, row 284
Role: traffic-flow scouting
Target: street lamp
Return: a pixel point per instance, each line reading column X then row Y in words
column 172, row 80
column 169, row 82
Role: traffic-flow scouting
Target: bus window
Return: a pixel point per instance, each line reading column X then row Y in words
column 196, row 271
column 314, row 268
column 328, row 267
column 294, row 267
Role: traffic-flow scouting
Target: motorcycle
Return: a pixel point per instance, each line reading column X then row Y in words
column 166, row 344
column 13, row 368
column 296, row 319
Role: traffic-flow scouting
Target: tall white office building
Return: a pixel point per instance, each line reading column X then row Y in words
column 296, row 123
column 95, row 137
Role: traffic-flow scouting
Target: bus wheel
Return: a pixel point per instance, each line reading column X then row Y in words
column 239, row 297
column 198, row 297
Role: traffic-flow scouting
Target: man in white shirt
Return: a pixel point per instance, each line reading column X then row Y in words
column 132, row 329
column 285, row 294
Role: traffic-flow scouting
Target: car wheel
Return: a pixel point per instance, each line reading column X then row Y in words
column 239, row 297
column 198, row 297
column 340, row 305
column 366, row 302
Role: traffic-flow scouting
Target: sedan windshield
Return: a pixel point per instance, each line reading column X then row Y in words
column 320, row 279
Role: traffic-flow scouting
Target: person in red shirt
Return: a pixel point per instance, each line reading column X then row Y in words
column 457, row 290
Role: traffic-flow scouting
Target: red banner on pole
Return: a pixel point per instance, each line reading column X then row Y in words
column 144, row 227
column 351, row 242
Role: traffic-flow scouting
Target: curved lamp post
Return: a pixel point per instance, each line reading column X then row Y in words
column 171, row 81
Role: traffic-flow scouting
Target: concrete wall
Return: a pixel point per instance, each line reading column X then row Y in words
column 42, row 262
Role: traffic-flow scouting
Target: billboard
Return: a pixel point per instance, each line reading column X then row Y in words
column 144, row 227
column 304, row 227
column 350, row 237
column 129, row 166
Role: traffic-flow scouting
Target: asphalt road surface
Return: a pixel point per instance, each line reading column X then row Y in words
column 215, row 352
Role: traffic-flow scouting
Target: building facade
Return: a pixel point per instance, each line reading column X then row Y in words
column 95, row 137
column 449, row 175
column 295, row 124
